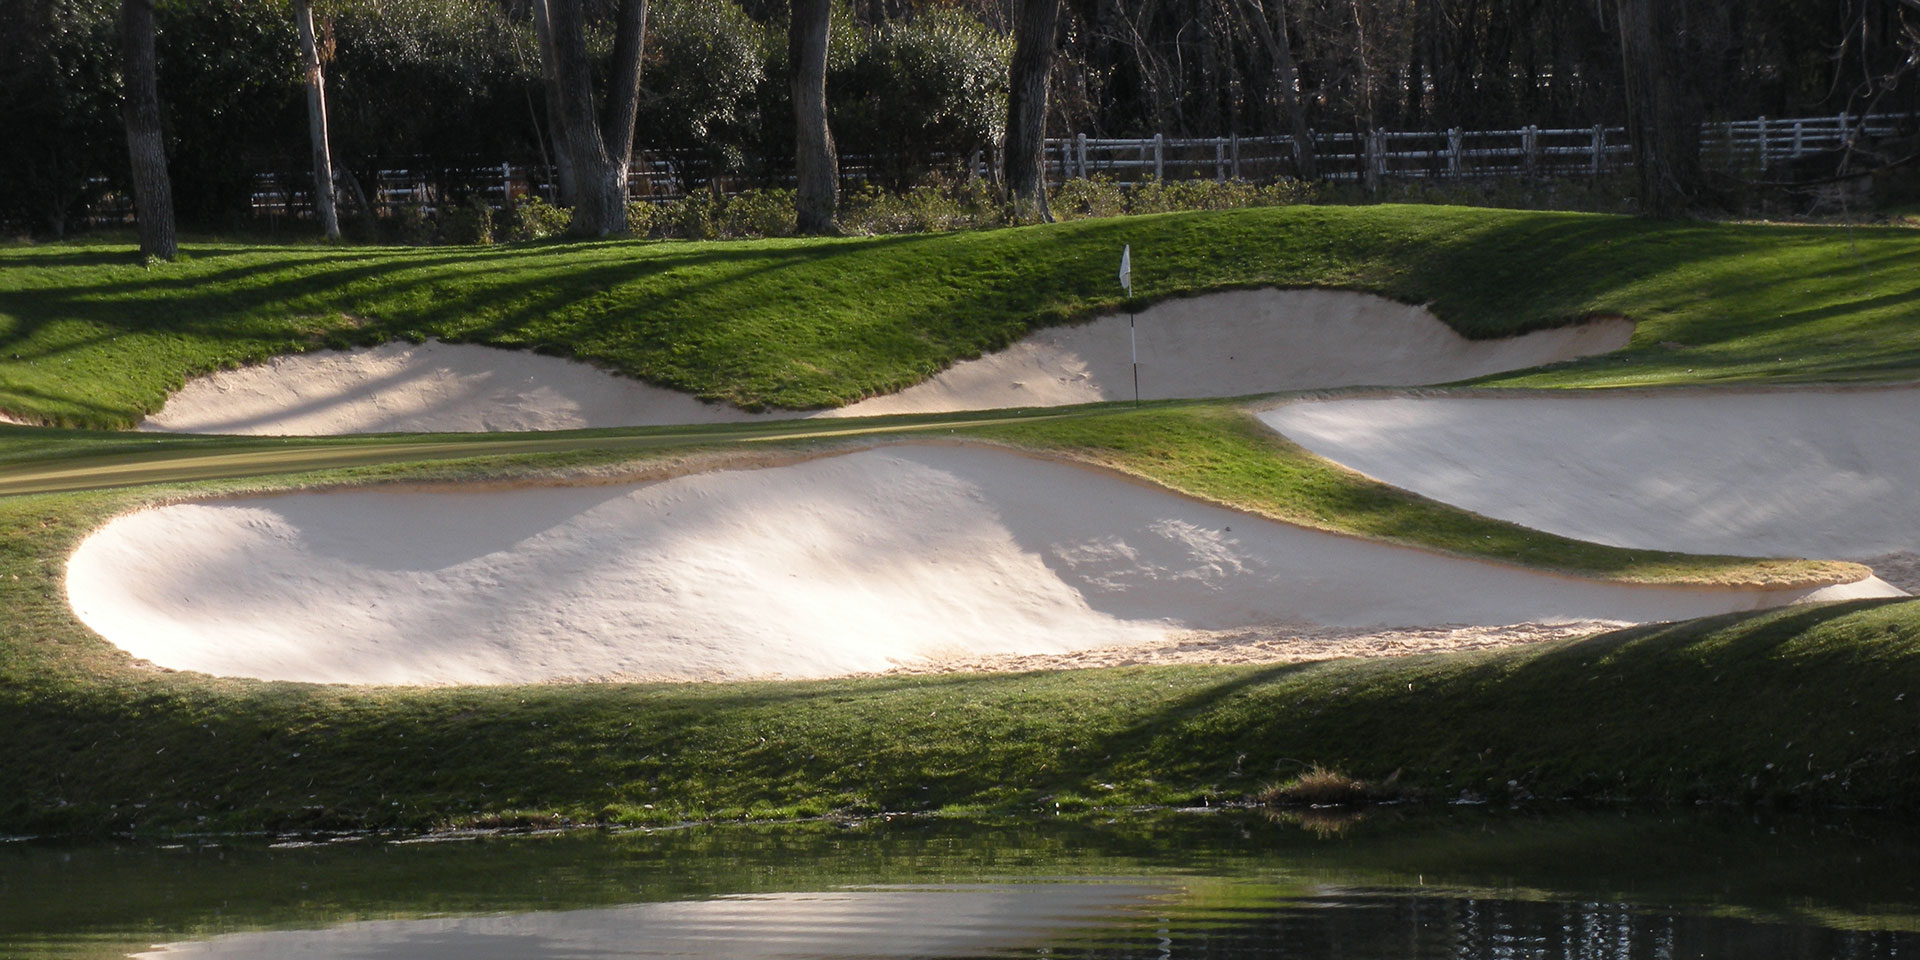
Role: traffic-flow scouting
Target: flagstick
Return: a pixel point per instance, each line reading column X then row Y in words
column 1133, row 344
column 1134, row 350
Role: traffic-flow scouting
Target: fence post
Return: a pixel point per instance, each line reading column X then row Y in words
column 1799, row 138
column 1840, row 126
column 1080, row 146
column 1455, row 140
column 1236, row 155
column 1530, row 145
column 1160, row 156
column 1763, row 143
column 1598, row 149
column 1219, row 161
column 506, row 185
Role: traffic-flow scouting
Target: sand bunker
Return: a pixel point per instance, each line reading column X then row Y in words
column 1218, row 345
column 855, row 563
column 1827, row 474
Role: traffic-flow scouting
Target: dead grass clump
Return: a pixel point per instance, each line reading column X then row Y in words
column 1321, row 787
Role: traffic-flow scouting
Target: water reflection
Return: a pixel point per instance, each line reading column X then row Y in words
column 1468, row 884
column 957, row 921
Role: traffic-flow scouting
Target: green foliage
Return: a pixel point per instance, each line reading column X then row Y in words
column 531, row 218
column 1100, row 196
column 413, row 225
column 924, row 93
column 469, row 223
column 1095, row 196
column 705, row 216
column 59, row 102
column 932, row 207
column 706, row 60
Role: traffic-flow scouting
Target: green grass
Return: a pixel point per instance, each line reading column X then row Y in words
column 89, row 338
column 98, row 742
column 1218, row 453
column 1206, row 450
column 1802, row 705
column 1814, row 705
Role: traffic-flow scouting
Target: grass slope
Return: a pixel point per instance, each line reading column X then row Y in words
column 87, row 338
column 98, row 742
column 1820, row 705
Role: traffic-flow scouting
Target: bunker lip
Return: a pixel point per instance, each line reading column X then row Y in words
column 1224, row 344
column 1773, row 472
column 901, row 556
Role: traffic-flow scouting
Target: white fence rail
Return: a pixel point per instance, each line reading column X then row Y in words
column 1366, row 157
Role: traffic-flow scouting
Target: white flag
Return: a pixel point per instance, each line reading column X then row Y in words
column 1126, row 268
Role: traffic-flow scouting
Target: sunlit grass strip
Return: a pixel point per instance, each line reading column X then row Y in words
column 1211, row 451
column 1220, row 453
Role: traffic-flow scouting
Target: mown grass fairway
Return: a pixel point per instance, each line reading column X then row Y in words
column 87, row 338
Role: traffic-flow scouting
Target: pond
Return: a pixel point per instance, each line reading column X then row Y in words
column 1463, row 883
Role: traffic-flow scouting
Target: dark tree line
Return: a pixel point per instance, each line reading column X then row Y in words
column 766, row 90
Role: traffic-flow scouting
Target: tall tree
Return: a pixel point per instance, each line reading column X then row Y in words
column 596, row 136
column 1033, row 33
column 317, row 121
column 816, row 165
column 549, row 69
column 146, row 144
column 1663, row 114
column 1277, row 40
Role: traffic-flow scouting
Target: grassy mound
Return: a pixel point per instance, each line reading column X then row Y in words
column 1802, row 705
column 89, row 339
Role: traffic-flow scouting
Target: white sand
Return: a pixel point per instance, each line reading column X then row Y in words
column 906, row 555
column 1238, row 343
column 13, row 421
column 1224, row 344
column 1826, row 474
column 928, row 921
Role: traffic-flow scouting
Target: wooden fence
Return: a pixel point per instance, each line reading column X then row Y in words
column 1364, row 157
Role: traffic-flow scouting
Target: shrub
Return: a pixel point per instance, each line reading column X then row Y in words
column 411, row 224
column 640, row 217
column 935, row 206
column 759, row 213
column 922, row 92
column 470, row 223
column 692, row 217
column 532, row 218
column 1096, row 196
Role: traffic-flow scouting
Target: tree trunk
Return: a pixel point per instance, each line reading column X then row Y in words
column 1033, row 33
column 599, row 151
column 1278, row 41
column 146, row 145
column 562, row 160
column 317, row 122
column 1663, row 117
column 816, row 165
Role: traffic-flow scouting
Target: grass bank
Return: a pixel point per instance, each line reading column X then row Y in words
column 87, row 338
column 1801, row 705
column 1805, row 705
